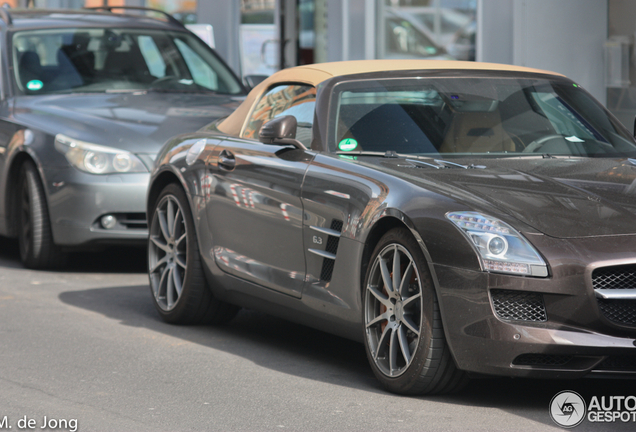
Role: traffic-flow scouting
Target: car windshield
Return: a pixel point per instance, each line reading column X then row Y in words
column 101, row 60
column 486, row 116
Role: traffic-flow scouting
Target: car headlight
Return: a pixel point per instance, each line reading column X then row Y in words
column 501, row 248
column 97, row 159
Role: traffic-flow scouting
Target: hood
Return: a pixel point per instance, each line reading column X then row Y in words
column 138, row 122
column 561, row 197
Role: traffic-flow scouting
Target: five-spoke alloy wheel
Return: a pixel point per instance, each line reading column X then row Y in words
column 404, row 338
column 178, row 285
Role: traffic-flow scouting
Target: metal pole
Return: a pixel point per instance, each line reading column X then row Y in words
column 281, row 37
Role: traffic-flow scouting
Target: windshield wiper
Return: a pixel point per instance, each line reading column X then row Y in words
column 171, row 90
column 414, row 159
column 389, row 153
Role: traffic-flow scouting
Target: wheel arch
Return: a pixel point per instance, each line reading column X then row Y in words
column 158, row 183
column 387, row 220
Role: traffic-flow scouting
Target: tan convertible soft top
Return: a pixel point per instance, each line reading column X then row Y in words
column 314, row 74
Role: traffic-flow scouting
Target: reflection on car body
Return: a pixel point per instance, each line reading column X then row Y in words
column 91, row 98
column 455, row 217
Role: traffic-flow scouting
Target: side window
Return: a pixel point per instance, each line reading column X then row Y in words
column 152, row 55
column 293, row 99
column 201, row 72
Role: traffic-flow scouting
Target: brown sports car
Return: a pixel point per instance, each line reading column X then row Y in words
column 457, row 218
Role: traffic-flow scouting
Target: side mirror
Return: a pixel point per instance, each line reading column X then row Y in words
column 282, row 131
column 252, row 81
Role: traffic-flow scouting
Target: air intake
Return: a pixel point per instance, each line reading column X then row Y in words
column 518, row 305
column 543, row 360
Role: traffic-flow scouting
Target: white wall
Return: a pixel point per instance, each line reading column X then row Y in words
column 494, row 31
column 564, row 36
column 225, row 17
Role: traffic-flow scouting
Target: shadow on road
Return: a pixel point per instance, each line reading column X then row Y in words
column 268, row 341
column 301, row 351
column 294, row 349
column 109, row 260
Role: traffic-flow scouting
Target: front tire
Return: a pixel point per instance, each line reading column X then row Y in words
column 177, row 282
column 35, row 238
column 404, row 338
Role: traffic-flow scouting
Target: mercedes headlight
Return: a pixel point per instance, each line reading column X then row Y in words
column 501, row 248
column 98, row 159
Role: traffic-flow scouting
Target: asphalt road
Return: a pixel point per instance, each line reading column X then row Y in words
column 87, row 345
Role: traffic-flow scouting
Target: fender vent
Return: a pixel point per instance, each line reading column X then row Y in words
column 332, row 247
column 518, row 305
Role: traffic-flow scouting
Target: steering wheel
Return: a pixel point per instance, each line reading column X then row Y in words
column 162, row 80
column 540, row 142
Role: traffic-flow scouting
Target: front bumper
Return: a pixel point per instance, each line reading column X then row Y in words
column 77, row 201
column 572, row 337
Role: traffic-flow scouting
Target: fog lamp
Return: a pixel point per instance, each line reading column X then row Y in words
column 108, row 221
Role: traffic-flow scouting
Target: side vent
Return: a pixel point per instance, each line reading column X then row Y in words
column 331, row 248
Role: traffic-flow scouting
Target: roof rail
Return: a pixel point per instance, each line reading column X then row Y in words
column 139, row 8
column 5, row 16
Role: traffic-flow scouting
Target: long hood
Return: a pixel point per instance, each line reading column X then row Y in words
column 137, row 122
column 561, row 197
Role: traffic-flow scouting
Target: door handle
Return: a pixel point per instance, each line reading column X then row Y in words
column 227, row 160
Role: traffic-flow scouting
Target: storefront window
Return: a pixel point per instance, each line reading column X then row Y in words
column 620, row 61
column 434, row 29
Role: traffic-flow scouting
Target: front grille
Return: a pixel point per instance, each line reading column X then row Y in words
column 619, row 311
column 518, row 305
column 616, row 277
column 546, row 360
column 618, row 363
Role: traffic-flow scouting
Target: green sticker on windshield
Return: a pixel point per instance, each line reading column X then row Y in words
column 348, row 144
column 34, row 85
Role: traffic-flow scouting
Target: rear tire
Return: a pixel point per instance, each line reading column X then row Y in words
column 35, row 238
column 404, row 336
column 177, row 282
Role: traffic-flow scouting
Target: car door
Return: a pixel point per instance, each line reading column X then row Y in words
column 255, row 214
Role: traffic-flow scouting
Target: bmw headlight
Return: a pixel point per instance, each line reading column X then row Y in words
column 501, row 248
column 97, row 159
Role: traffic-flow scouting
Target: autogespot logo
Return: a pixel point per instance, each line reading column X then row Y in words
column 567, row 409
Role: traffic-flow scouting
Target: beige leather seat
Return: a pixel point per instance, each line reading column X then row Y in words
column 476, row 132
